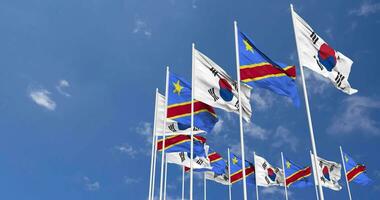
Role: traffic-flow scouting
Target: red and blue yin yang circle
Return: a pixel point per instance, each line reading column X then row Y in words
column 271, row 174
column 326, row 56
column 225, row 90
column 326, row 173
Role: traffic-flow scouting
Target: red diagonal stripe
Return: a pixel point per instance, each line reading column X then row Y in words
column 298, row 175
column 172, row 140
column 214, row 156
column 186, row 109
column 355, row 172
column 264, row 70
column 178, row 138
column 238, row 176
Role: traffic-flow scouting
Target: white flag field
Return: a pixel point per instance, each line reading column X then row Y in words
column 222, row 178
column 266, row 174
column 329, row 173
column 172, row 127
column 315, row 54
column 216, row 88
column 184, row 159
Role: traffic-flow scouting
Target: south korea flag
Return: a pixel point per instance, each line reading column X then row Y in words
column 315, row 54
column 329, row 173
column 266, row 174
column 216, row 88
column 184, row 159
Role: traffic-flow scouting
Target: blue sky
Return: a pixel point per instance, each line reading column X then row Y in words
column 78, row 78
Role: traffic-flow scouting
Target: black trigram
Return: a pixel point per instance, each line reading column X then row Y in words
column 182, row 156
column 235, row 86
column 214, row 71
column 264, row 165
column 199, row 162
column 267, row 180
column 339, row 79
column 237, row 105
column 172, row 128
column 211, row 91
column 314, row 37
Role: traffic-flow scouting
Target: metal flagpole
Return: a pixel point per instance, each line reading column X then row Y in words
column 204, row 186
column 314, row 168
column 257, row 187
column 345, row 172
column 240, row 111
column 192, row 121
column 229, row 175
column 153, row 141
column 183, row 183
column 154, row 165
column 283, row 168
column 166, row 177
column 314, row 148
column 163, row 134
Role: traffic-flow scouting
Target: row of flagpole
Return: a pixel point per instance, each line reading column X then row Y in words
column 163, row 173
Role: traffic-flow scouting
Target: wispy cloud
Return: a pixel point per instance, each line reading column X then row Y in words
column 316, row 84
column 262, row 99
column 142, row 28
column 145, row 129
column 218, row 127
column 62, row 85
column 41, row 97
column 255, row 131
column 279, row 191
column 355, row 115
column 91, row 185
column 127, row 149
column 283, row 137
column 130, row 180
column 366, row 8
column 194, row 4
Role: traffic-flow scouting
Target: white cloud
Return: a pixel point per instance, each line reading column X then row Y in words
column 91, row 185
column 127, row 149
column 366, row 8
column 316, row 84
column 129, row 180
column 279, row 191
column 194, row 4
column 62, row 84
column 141, row 27
column 41, row 97
column 218, row 127
column 283, row 137
column 145, row 129
column 329, row 33
column 262, row 99
column 255, row 131
column 355, row 115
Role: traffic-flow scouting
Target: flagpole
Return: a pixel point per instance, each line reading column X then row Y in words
column 257, row 187
column 183, row 183
column 204, row 186
column 240, row 111
column 314, row 168
column 166, row 177
column 154, row 165
column 163, row 134
column 345, row 172
column 153, row 141
column 192, row 121
column 229, row 175
column 307, row 109
column 283, row 168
